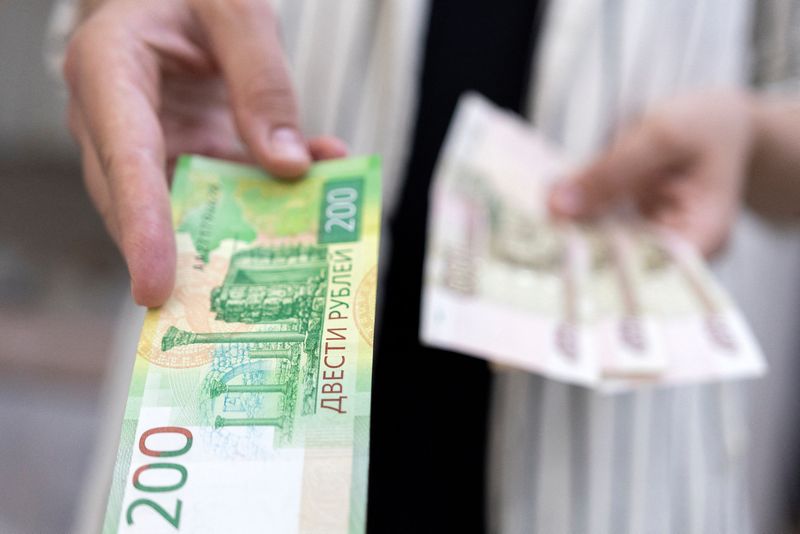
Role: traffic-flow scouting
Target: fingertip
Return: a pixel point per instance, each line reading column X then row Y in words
column 286, row 154
column 327, row 147
column 152, row 291
column 152, row 274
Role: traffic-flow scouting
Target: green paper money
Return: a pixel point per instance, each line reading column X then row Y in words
column 249, row 405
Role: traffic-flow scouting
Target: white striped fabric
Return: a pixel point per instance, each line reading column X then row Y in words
column 564, row 459
column 777, row 50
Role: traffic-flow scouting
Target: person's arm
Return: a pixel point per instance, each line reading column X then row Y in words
column 686, row 163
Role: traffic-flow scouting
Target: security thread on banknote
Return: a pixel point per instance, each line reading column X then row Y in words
column 249, row 405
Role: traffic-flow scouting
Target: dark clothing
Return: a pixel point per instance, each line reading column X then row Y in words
column 428, row 438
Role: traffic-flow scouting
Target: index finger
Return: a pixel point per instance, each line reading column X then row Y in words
column 115, row 83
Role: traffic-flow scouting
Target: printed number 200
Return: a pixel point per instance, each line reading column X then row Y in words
column 341, row 209
column 175, row 518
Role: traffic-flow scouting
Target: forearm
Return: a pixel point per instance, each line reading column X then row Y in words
column 774, row 187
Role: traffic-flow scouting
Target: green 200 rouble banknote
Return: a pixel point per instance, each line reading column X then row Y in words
column 249, row 405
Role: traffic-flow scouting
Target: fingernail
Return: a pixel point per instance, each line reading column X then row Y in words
column 287, row 144
column 569, row 199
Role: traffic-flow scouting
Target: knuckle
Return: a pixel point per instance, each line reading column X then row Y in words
column 85, row 49
column 123, row 164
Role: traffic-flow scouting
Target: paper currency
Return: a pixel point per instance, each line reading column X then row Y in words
column 613, row 305
column 500, row 282
column 627, row 294
column 249, row 405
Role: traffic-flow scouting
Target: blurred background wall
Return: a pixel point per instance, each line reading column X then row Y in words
column 61, row 283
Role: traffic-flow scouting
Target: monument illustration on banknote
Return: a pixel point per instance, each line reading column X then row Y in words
column 283, row 289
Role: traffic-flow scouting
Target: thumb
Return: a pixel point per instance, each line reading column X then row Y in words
column 626, row 170
column 244, row 38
